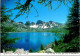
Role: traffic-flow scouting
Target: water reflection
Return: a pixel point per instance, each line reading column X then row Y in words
column 32, row 40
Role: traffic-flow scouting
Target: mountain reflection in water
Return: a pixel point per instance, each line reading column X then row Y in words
column 32, row 40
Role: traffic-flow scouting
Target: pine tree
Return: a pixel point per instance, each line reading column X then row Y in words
column 72, row 38
column 56, row 43
column 31, row 50
column 73, row 22
column 70, row 42
column 6, row 43
column 4, row 18
column 42, row 47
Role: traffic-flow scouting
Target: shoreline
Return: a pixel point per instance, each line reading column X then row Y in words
column 25, row 32
column 49, row 45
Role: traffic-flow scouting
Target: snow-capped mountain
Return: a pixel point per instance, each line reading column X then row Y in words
column 21, row 27
column 44, row 25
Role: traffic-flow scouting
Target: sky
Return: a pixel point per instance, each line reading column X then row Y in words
column 45, row 13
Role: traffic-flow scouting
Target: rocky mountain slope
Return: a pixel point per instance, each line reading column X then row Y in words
column 43, row 25
column 21, row 27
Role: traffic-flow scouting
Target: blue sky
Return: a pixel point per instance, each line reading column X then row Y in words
column 45, row 14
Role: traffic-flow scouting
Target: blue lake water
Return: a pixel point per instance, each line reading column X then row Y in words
column 32, row 40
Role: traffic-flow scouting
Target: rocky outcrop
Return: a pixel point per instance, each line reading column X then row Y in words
column 43, row 25
column 49, row 45
column 27, row 27
column 19, row 27
column 49, row 50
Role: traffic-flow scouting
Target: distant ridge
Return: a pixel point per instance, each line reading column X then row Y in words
column 21, row 27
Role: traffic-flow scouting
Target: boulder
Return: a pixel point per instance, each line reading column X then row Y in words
column 49, row 50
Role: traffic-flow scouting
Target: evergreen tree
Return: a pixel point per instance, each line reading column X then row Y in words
column 56, row 43
column 72, row 38
column 6, row 43
column 31, row 50
column 42, row 47
column 4, row 18
column 70, row 42
column 73, row 22
column 25, row 7
column 52, row 45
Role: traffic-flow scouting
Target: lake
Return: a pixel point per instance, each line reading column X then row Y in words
column 32, row 40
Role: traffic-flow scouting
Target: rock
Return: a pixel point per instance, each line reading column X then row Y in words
column 49, row 50
column 49, row 45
